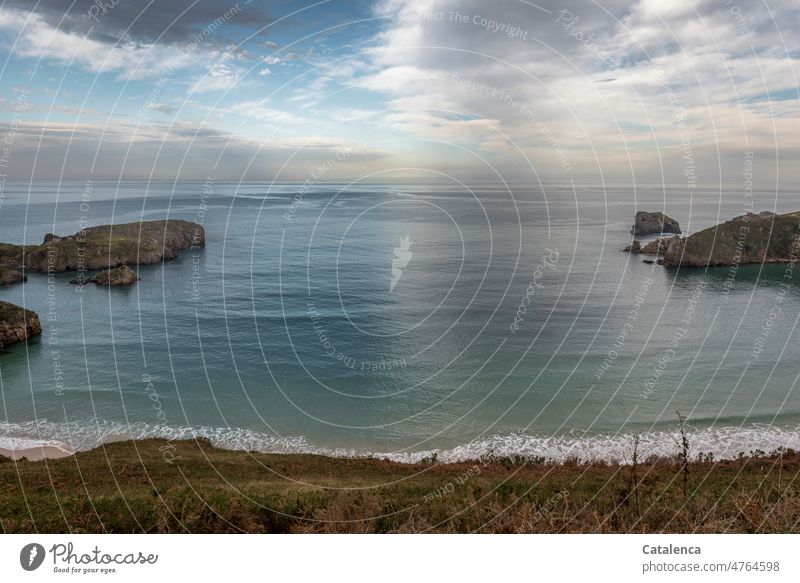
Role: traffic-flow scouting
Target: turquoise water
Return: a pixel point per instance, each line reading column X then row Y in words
column 291, row 331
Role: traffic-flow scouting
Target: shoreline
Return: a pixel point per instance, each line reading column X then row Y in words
column 44, row 440
column 52, row 450
column 36, row 453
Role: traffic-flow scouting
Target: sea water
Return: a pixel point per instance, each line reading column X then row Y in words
column 403, row 318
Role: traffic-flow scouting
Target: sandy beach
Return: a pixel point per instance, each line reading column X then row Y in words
column 35, row 454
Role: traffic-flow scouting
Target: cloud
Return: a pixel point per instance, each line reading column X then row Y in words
column 257, row 110
column 617, row 89
column 220, row 77
column 180, row 150
column 160, row 107
column 176, row 21
column 36, row 39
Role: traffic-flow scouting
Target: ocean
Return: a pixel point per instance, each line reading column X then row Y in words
column 401, row 319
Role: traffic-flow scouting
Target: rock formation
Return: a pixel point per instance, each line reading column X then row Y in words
column 635, row 247
column 104, row 247
column 751, row 238
column 655, row 247
column 11, row 264
column 648, row 223
column 123, row 275
column 17, row 324
column 11, row 275
column 114, row 245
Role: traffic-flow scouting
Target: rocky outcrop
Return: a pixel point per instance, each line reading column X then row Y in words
column 17, row 324
column 123, row 275
column 648, row 223
column 11, row 263
column 655, row 247
column 11, row 275
column 658, row 246
column 635, row 247
column 105, row 247
column 114, row 245
column 752, row 238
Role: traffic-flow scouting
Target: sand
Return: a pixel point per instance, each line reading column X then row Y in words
column 35, row 454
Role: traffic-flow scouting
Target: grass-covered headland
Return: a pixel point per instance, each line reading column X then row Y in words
column 190, row 486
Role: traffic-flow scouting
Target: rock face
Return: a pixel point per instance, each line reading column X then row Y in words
column 752, row 238
column 658, row 246
column 647, row 223
column 10, row 275
column 11, row 267
column 123, row 275
column 654, row 247
column 17, row 324
column 105, row 247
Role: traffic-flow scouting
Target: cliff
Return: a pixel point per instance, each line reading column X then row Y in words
column 11, row 263
column 17, row 324
column 751, row 238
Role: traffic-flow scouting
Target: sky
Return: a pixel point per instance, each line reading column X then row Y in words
column 674, row 92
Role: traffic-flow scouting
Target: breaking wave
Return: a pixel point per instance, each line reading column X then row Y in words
column 722, row 442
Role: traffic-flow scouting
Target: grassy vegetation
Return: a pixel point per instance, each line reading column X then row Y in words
column 133, row 487
column 104, row 246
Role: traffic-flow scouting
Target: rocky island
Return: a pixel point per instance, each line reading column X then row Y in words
column 102, row 247
column 109, row 249
column 123, row 275
column 17, row 324
column 108, row 246
column 649, row 223
column 750, row 238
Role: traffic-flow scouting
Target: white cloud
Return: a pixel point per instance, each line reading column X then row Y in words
column 668, row 57
column 160, row 107
column 265, row 72
column 402, row 79
column 258, row 110
column 36, row 39
column 220, row 77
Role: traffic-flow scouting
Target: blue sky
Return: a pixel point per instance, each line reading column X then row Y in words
column 621, row 92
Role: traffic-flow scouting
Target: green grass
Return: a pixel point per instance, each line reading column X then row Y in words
column 131, row 487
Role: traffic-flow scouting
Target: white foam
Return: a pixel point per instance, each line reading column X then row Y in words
column 722, row 442
column 15, row 444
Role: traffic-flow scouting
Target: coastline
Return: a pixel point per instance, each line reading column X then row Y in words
column 37, row 453
column 134, row 486
column 725, row 442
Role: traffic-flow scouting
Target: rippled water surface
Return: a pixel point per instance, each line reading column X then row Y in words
column 402, row 318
